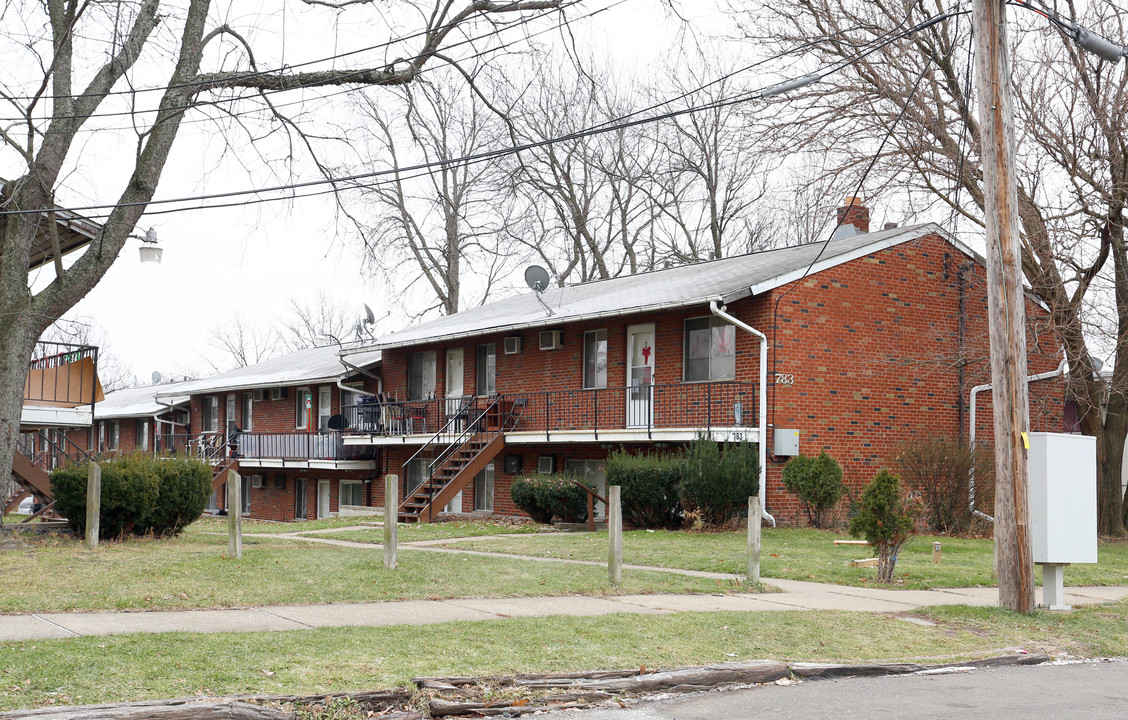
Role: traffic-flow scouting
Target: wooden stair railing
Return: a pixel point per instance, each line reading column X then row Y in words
column 465, row 455
column 30, row 469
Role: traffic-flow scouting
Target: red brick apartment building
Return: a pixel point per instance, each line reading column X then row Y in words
column 868, row 342
column 135, row 420
column 274, row 423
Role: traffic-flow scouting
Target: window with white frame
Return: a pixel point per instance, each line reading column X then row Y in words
column 595, row 359
column 352, row 493
column 142, row 439
column 114, row 435
column 421, row 375
column 484, row 490
column 487, row 369
column 245, row 493
column 210, row 412
column 710, row 349
column 248, row 411
column 304, row 410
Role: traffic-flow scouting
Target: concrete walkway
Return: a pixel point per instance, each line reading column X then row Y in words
column 796, row 595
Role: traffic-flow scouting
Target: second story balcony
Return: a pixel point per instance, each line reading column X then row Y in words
column 61, row 386
column 672, row 412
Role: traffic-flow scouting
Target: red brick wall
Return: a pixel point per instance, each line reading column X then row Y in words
column 872, row 349
column 273, row 503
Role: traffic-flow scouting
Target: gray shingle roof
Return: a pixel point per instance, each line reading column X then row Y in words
column 139, row 401
column 314, row 365
column 727, row 279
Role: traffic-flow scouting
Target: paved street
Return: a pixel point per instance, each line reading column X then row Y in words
column 1094, row 691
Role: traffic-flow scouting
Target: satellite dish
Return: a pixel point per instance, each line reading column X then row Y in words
column 369, row 316
column 536, row 278
column 338, row 422
column 156, row 377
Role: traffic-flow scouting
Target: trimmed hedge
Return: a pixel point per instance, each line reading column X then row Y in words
column 546, row 496
column 140, row 495
column 649, row 486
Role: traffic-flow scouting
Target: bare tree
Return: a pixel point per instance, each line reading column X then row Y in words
column 113, row 372
column 715, row 172
column 443, row 226
column 309, row 324
column 1073, row 163
column 90, row 55
column 587, row 209
column 241, row 341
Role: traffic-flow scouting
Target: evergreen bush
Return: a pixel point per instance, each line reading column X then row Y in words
column 817, row 482
column 140, row 494
column 886, row 520
column 649, row 487
column 546, row 496
column 716, row 483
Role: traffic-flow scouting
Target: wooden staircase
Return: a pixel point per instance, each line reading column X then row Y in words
column 462, row 449
column 30, row 471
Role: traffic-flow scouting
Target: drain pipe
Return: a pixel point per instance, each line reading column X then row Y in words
column 971, row 399
column 719, row 310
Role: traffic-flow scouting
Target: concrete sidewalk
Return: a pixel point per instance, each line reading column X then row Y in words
column 796, row 595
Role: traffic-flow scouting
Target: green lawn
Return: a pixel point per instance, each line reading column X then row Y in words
column 375, row 534
column 58, row 574
column 802, row 554
column 135, row 667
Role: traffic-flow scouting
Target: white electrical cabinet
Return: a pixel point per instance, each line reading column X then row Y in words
column 1063, row 497
column 1063, row 507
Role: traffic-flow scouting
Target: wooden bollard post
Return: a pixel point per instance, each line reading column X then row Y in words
column 391, row 519
column 614, row 536
column 93, row 505
column 234, row 514
column 754, row 539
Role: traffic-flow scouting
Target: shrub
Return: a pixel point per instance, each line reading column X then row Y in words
column 939, row 469
column 649, row 485
column 716, row 484
column 546, row 496
column 885, row 520
column 185, row 484
column 817, row 482
column 140, row 494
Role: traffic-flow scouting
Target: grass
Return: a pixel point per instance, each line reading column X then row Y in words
column 407, row 531
column 136, row 667
column 803, row 554
column 56, row 574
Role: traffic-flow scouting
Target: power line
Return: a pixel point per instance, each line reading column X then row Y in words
column 289, row 67
column 500, row 152
column 344, row 76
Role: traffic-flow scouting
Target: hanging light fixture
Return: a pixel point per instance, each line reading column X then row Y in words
column 150, row 253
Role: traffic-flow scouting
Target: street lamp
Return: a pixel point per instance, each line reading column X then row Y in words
column 150, row 253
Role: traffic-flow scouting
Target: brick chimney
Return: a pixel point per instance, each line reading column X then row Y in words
column 854, row 213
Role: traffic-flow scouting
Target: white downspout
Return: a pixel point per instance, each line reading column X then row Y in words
column 719, row 310
column 971, row 399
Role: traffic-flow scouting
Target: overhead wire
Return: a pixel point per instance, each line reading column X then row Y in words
column 482, row 156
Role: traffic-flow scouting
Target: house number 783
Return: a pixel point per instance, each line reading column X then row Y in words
column 785, row 379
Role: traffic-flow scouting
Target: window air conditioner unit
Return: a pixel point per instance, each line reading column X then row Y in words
column 513, row 345
column 546, row 464
column 278, row 393
column 551, row 339
column 257, row 481
column 258, row 395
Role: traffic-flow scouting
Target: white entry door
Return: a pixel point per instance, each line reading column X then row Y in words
column 455, row 366
column 322, row 499
column 640, row 375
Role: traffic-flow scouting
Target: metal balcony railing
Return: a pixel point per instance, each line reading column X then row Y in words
column 702, row 405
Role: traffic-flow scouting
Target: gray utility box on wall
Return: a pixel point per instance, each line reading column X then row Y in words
column 1063, row 507
column 786, row 443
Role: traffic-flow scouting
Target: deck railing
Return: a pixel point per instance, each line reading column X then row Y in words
column 704, row 405
column 62, row 374
column 296, row 445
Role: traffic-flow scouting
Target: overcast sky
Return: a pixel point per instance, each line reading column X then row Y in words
column 255, row 259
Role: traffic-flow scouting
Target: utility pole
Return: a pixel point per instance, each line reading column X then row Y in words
column 1005, row 306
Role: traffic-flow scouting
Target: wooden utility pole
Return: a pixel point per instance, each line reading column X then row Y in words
column 1005, row 305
